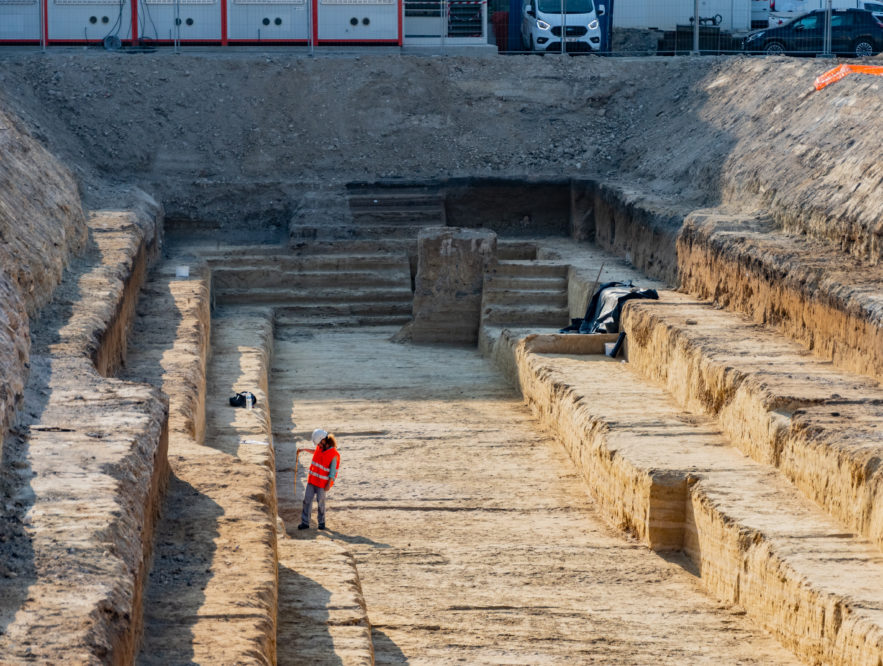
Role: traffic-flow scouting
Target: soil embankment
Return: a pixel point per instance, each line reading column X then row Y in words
column 42, row 224
column 225, row 135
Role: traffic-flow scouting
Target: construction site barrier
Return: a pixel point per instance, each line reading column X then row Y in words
column 833, row 75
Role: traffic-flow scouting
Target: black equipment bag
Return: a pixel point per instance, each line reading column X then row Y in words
column 239, row 399
column 605, row 308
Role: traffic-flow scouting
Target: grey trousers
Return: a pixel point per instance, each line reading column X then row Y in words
column 308, row 503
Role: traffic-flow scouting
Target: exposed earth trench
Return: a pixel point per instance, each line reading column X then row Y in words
column 385, row 246
column 474, row 538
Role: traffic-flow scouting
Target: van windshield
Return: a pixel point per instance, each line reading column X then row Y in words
column 571, row 6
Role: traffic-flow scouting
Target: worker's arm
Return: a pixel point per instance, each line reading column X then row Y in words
column 332, row 474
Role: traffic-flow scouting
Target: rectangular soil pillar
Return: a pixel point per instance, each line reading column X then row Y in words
column 451, row 263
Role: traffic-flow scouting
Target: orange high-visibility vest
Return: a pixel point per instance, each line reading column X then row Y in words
column 320, row 466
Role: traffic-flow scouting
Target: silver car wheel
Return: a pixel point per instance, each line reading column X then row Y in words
column 863, row 48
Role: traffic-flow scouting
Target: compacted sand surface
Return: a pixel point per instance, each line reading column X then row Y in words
column 474, row 539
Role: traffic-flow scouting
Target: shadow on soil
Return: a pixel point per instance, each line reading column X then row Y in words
column 182, row 560
column 302, row 633
column 353, row 539
column 385, row 649
column 304, row 636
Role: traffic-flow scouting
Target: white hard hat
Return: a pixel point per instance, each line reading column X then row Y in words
column 319, row 435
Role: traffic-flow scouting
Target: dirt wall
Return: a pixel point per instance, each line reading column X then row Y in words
column 85, row 466
column 41, row 224
column 238, row 129
column 673, row 481
column 831, row 305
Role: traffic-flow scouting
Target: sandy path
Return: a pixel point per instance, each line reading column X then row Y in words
column 474, row 538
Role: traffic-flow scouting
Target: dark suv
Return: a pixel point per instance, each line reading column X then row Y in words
column 853, row 32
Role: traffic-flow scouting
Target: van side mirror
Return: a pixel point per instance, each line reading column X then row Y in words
column 601, row 10
column 530, row 12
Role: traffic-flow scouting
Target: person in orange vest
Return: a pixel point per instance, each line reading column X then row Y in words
column 323, row 472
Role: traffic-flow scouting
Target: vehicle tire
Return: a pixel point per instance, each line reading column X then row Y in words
column 863, row 48
column 530, row 46
column 774, row 48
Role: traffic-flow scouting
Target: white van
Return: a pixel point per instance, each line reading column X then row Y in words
column 541, row 25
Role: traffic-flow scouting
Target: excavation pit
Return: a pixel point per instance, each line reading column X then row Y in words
column 507, row 494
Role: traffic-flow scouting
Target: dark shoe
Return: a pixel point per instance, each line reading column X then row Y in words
column 321, row 526
column 303, row 526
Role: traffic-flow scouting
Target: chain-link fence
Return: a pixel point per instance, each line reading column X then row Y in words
column 682, row 27
column 602, row 27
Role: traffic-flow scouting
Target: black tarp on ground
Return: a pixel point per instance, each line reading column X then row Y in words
column 605, row 307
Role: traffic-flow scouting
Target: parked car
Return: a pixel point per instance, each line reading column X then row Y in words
column 876, row 8
column 541, row 25
column 785, row 11
column 853, row 32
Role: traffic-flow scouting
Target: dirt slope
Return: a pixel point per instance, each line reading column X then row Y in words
column 692, row 131
column 41, row 225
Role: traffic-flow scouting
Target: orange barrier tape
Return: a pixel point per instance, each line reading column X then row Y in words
column 838, row 73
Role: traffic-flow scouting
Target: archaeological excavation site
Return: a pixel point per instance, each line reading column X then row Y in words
column 408, row 251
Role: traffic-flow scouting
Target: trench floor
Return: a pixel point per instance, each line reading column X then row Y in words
column 474, row 538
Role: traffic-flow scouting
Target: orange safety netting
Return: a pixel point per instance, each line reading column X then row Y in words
column 838, row 73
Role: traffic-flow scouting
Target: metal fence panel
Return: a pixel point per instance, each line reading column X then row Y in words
column 19, row 20
column 601, row 27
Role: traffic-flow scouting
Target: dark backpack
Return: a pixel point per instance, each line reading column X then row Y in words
column 239, row 399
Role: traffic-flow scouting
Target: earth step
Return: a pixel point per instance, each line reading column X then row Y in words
column 173, row 358
column 403, row 231
column 212, row 249
column 324, row 321
column 420, row 216
column 314, row 262
column 388, row 215
column 519, row 297
column 371, row 246
column 394, row 199
column 241, row 277
column 306, row 296
column 525, row 283
column 776, row 401
column 789, row 281
column 83, row 471
column 529, row 269
column 343, row 310
column 673, row 480
column 322, row 617
column 516, row 250
column 537, row 315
